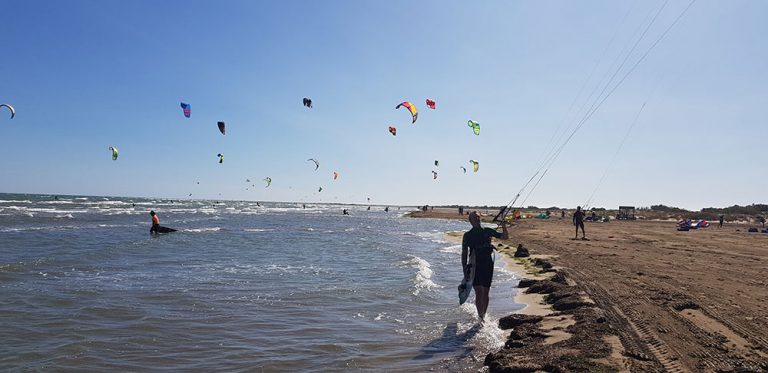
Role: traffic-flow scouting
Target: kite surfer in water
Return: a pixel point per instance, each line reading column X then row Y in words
column 156, row 227
column 478, row 240
column 155, row 222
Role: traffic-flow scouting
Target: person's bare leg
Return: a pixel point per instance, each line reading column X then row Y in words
column 481, row 301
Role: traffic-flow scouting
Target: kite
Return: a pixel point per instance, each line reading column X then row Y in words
column 463, row 169
column 475, row 164
column 247, row 180
column 221, row 157
column 411, row 108
column 268, row 180
column 307, row 102
column 187, row 109
column 431, row 104
column 114, row 152
column 437, row 163
column 221, row 127
column 335, row 175
column 317, row 164
column 393, row 131
column 13, row 111
column 434, row 175
column 475, row 126
column 319, row 189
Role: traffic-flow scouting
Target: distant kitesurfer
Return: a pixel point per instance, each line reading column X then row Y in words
column 578, row 221
column 478, row 240
column 386, row 209
column 155, row 222
column 345, row 212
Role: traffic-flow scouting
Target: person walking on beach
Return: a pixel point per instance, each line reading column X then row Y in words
column 578, row 221
column 722, row 217
column 155, row 222
column 478, row 240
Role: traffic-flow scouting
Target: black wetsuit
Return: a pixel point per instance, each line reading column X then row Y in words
column 478, row 240
column 578, row 221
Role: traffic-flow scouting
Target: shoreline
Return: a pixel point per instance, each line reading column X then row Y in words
column 639, row 296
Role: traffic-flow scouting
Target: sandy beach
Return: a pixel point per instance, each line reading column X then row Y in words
column 637, row 296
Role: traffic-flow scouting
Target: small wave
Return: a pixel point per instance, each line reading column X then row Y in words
column 65, row 216
column 201, row 230
column 423, row 278
column 258, row 230
column 453, row 249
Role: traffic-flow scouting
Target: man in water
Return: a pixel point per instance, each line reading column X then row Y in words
column 155, row 222
column 478, row 240
column 578, row 221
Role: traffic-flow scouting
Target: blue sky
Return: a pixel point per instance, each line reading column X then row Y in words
column 86, row 75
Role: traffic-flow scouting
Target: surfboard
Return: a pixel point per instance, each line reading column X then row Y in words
column 465, row 288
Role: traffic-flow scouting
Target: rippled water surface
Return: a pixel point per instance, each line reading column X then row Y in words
column 241, row 286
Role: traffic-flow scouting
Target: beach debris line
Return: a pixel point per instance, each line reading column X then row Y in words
column 13, row 111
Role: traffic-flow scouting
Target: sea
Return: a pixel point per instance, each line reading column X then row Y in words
column 242, row 286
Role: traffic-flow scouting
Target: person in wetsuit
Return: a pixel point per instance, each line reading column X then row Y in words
column 155, row 222
column 478, row 240
column 578, row 221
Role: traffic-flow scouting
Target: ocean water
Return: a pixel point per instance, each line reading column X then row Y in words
column 241, row 287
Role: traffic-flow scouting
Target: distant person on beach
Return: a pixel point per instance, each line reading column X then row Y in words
column 478, row 240
column 562, row 214
column 155, row 222
column 578, row 221
column 722, row 217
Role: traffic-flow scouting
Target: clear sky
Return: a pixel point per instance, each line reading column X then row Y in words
column 86, row 75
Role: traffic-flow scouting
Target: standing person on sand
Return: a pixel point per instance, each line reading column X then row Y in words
column 578, row 221
column 722, row 217
column 478, row 240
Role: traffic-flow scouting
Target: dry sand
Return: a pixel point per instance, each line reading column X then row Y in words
column 657, row 299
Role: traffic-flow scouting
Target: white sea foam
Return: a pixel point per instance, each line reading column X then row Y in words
column 423, row 278
column 201, row 230
column 258, row 229
column 453, row 249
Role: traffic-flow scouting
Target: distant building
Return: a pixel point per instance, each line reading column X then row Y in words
column 626, row 213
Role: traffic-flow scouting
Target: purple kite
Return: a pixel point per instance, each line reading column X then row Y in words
column 187, row 109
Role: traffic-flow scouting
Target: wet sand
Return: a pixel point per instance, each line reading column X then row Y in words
column 638, row 296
